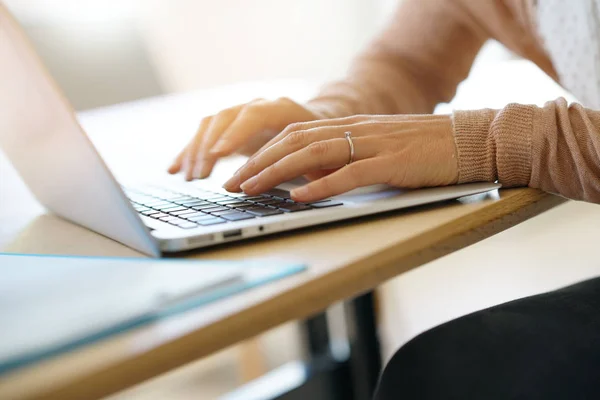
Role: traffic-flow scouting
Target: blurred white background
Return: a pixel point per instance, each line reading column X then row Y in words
column 104, row 52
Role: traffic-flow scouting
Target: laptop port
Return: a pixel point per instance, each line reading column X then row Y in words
column 232, row 234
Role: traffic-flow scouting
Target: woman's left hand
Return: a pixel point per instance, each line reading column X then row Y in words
column 408, row 151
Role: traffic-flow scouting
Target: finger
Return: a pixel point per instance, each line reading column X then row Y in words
column 255, row 117
column 362, row 173
column 191, row 157
column 177, row 163
column 329, row 154
column 204, row 168
column 313, row 176
column 303, row 126
column 294, row 142
column 197, row 154
column 220, row 123
column 297, row 140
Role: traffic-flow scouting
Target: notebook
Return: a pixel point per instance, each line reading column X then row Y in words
column 52, row 304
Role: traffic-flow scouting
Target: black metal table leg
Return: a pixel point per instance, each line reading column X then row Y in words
column 325, row 375
column 365, row 351
column 363, row 364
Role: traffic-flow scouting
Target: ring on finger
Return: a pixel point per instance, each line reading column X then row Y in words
column 348, row 136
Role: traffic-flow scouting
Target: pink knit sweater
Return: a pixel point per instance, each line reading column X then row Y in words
column 428, row 49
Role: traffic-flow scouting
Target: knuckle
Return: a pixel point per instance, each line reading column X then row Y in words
column 225, row 114
column 284, row 101
column 204, row 122
column 254, row 107
column 296, row 126
column 296, row 138
column 254, row 111
column 318, row 148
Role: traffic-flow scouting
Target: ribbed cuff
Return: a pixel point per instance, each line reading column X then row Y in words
column 476, row 150
column 495, row 145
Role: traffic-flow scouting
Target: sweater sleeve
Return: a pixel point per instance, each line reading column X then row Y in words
column 415, row 63
column 555, row 148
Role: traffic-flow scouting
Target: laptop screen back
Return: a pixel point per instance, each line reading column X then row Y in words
column 41, row 137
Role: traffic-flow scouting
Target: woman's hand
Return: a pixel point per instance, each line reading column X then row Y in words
column 408, row 151
column 243, row 129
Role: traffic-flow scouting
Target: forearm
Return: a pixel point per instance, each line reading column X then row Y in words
column 414, row 64
column 555, row 148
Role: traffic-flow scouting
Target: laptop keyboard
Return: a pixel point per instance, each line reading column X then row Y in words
column 212, row 208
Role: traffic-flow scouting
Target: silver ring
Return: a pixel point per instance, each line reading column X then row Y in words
column 351, row 144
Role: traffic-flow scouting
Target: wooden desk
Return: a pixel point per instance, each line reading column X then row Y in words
column 345, row 259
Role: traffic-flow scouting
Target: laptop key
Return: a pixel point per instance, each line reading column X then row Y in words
column 221, row 213
column 227, row 202
column 195, row 214
column 217, row 198
column 192, row 203
column 292, row 207
column 216, row 210
column 166, row 207
column 241, row 204
column 168, row 218
column 171, row 210
column 159, row 215
column 268, row 202
column 257, row 199
column 187, row 225
column 177, row 221
column 182, row 212
column 149, row 212
column 205, row 207
column 263, row 211
column 284, row 194
column 200, row 218
column 325, row 204
column 212, row 221
column 238, row 216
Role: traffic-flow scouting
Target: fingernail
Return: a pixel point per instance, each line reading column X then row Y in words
column 250, row 184
column 300, row 192
column 233, row 182
column 219, row 146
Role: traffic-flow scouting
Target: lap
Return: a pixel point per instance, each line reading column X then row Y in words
column 544, row 346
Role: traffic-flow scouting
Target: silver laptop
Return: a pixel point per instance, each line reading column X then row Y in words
column 40, row 135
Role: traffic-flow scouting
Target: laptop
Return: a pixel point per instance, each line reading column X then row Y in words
column 42, row 138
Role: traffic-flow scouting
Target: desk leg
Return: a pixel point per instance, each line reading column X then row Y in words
column 325, row 375
column 316, row 336
column 365, row 352
column 361, row 369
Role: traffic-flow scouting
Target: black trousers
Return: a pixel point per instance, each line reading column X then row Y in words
column 541, row 347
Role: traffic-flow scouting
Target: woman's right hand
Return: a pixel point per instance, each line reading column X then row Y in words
column 241, row 129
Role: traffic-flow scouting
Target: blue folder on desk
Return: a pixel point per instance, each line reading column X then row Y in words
column 53, row 304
